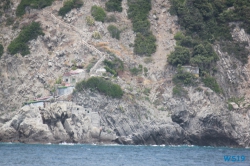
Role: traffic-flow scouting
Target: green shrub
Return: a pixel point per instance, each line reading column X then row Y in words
column 184, row 78
column 90, row 21
column 145, row 44
column 96, row 35
column 1, row 50
column 145, row 41
column 98, row 13
column 69, row 5
column 193, row 52
column 19, row 44
column 101, row 85
column 180, row 56
column 114, row 31
column 114, row 65
column 114, row 5
column 179, row 36
column 138, row 10
column 37, row 4
column 208, row 21
column 212, row 84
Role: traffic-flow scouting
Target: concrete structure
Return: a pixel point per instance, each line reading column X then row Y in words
column 40, row 102
column 100, row 71
column 191, row 69
column 64, row 90
column 74, row 76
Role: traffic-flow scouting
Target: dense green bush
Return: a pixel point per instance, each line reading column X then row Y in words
column 114, row 5
column 138, row 10
column 193, row 52
column 114, row 65
column 19, row 44
column 240, row 13
column 180, row 56
column 211, row 83
column 145, row 44
column 98, row 13
column 114, row 31
column 184, row 78
column 69, row 5
column 145, row 41
column 37, row 4
column 208, row 20
column 101, row 85
column 1, row 50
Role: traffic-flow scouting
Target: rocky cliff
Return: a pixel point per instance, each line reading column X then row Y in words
column 148, row 113
column 94, row 118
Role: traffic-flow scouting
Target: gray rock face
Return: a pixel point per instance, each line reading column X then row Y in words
column 136, row 124
column 59, row 122
column 94, row 118
column 210, row 128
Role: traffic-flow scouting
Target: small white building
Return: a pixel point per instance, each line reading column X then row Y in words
column 100, row 71
column 191, row 69
column 74, row 76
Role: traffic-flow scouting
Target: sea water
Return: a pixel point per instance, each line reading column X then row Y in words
column 12, row 154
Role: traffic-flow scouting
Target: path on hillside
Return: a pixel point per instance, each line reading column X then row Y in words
column 83, row 42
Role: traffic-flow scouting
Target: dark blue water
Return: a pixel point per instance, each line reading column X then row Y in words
column 95, row 155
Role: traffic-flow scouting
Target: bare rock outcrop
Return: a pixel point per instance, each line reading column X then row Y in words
column 58, row 122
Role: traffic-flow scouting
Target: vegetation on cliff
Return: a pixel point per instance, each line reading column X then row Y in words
column 212, row 84
column 101, row 85
column 114, row 31
column 69, row 5
column 20, row 44
column 114, row 65
column 5, row 5
column 98, row 13
column 36, row 4
column 145, row 41
column 208, row 21
column 114, row 5
column 1, row 50
column 203, row 23
column 180, row 79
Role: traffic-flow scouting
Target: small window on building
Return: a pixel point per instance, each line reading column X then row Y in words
column 77, row 108
column 88, row 111
column 66, row 80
